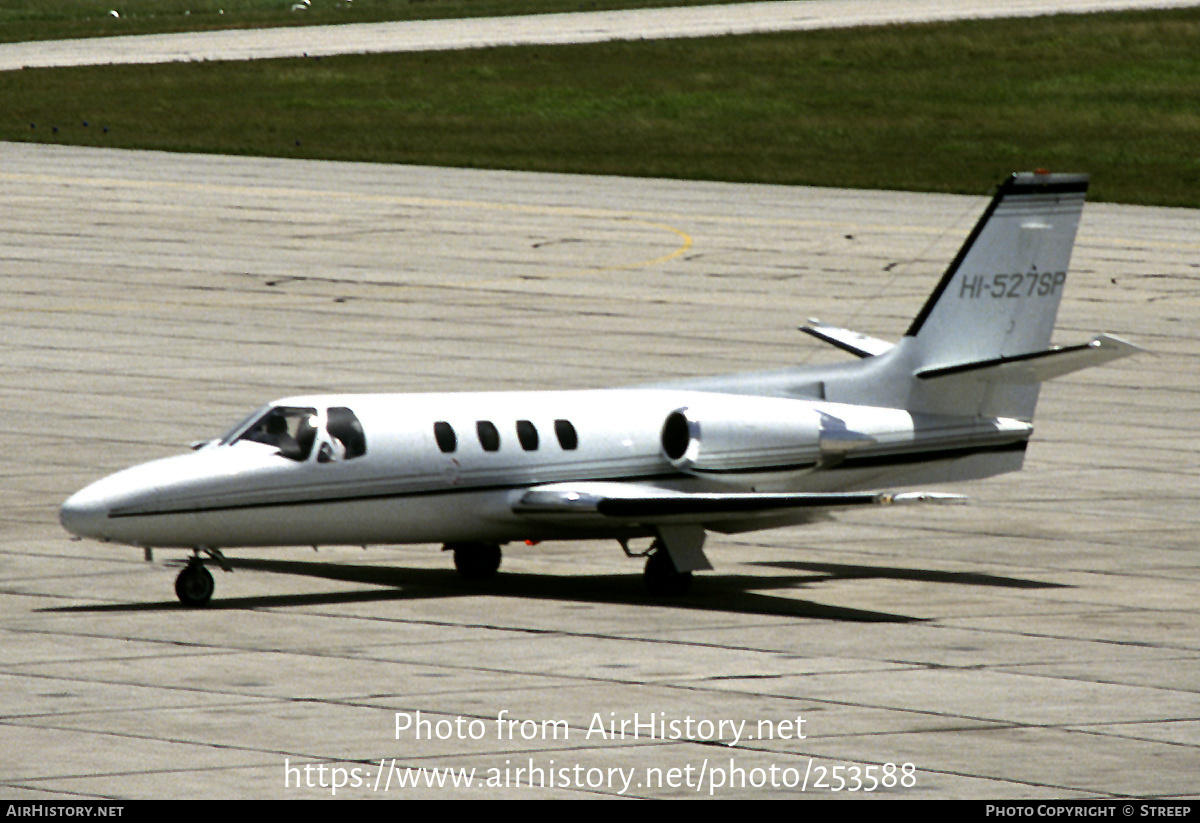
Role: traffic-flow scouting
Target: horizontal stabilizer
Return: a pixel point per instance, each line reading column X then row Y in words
column 646, row 505
column 1038, row 366
column 857, row 344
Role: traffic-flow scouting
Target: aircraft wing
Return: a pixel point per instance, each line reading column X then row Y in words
column 632, row 504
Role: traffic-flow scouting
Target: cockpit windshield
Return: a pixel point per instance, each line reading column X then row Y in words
column 242, row 425
column 295, row 430
column 291, row 430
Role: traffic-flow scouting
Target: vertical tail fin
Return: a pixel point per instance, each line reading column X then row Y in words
column 997, row 303
column 1000, row 295
column 980, row 346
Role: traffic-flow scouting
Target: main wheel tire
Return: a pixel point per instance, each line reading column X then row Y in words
column 194, row 586
column 476, row 561
column 662, row 578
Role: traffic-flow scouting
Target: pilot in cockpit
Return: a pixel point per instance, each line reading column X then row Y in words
column 295, row 432
column 270, row 430
column 274, row 430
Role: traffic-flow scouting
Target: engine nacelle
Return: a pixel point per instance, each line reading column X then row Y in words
column 736, row 439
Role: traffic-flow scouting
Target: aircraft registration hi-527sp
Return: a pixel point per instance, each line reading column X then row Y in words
column 952, row 401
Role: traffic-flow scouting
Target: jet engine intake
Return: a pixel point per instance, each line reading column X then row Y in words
column 734, row 446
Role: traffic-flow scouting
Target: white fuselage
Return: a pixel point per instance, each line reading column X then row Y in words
column 406, row 488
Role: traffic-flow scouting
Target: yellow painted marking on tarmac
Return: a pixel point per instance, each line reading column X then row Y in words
column 684, row 246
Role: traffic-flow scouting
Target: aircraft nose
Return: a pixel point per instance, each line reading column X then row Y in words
column 84, row 514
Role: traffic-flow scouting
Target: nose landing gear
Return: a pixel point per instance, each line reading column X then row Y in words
column 195, row 585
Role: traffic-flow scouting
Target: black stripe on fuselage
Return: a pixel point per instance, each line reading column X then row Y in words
column 864, row 462
column 354, row 498
column 781, row 469
column 873, row 461
column 903, row 459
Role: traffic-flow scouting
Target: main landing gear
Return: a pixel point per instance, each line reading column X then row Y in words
column 475, row 561
column 662, row 578
column 481, row 561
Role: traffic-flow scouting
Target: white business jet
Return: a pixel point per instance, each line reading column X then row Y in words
column 952, row 401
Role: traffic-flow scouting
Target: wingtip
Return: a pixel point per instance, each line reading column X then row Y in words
column 907, row 498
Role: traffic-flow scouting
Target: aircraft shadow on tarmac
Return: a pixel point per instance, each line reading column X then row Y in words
column 839, row 571
column 742, row 594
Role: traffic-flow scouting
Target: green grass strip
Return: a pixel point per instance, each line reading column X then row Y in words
column 947, row 107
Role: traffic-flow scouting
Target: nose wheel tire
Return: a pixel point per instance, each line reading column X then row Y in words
column 194, row 586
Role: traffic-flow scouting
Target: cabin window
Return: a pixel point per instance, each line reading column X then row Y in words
column 567, row 438
column 291, row 430
column 489, row 437
column 343, row 426
column 527, row 433
column 447, row 440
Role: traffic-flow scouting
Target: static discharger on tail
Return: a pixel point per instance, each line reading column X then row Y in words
column 953, row 400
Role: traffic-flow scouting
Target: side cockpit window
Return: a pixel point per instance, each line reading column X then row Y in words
column 290, row 430
column 343, row 426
